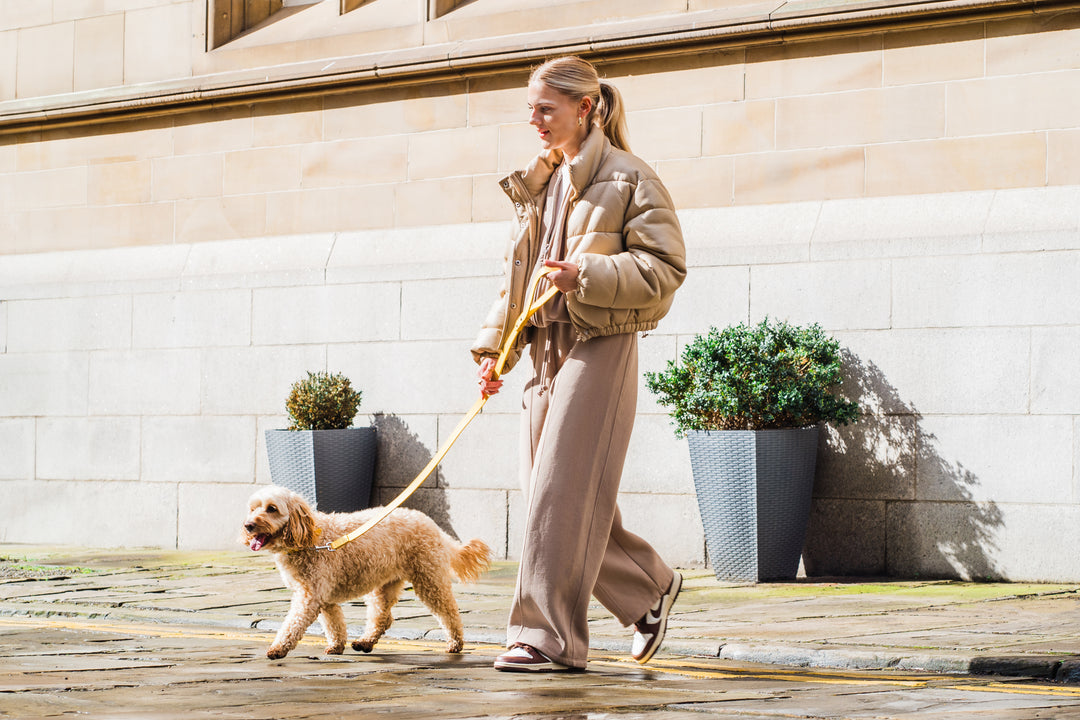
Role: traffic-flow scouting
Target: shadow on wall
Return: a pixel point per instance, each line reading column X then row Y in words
column 401, row 457
column 867, row 518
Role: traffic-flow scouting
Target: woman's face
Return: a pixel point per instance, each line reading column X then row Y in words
column 555, row 117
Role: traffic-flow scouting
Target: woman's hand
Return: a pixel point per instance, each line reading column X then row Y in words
column 488, row 387
column 566, row 277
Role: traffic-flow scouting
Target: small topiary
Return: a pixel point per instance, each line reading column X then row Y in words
column 322, row 401
column 766, row 376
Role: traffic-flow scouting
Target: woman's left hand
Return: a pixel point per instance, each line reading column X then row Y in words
column 488, row 387
column 566, row 277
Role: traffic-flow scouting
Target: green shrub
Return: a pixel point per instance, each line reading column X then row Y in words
column 764, row 376
column 322, row 401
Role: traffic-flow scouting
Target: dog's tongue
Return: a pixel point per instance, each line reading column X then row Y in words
column 258, row 542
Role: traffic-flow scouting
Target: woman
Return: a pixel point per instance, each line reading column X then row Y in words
column 600, row 218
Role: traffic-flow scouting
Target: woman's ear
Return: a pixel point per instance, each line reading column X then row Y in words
column 585, row 107
column 300, row 527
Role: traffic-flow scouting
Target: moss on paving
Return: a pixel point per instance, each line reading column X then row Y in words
column 943, row 591
column 30, row 568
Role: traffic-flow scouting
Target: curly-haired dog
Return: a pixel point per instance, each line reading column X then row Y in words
column 405, row 547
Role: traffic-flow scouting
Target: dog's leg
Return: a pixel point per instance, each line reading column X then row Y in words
column 436, row 593
column 302, row 612
column 336, row 633
column 379, row 618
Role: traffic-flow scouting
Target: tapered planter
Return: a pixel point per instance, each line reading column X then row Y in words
column 332, row 469
column 754, row 489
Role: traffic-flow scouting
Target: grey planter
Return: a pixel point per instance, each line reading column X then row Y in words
column 332, row 469
column 754, row 489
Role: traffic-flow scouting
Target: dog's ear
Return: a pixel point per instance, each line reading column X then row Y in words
column 300, row 529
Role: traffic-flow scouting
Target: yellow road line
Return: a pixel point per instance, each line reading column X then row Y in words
column 693, row 669
column 132, row 627
column 1016, row 689
column 907, row 677
column 685, row 668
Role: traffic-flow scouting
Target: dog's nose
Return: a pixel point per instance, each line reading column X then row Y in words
column 250, row 527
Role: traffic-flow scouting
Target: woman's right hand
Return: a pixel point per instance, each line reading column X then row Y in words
column 488, row 387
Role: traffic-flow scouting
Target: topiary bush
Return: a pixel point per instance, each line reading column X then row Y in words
column 754, row 377
column 322, row 401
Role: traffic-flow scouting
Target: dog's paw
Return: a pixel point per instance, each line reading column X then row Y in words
column 455, row 646
column 335, row 649
column 363, row 646
column 276, row 653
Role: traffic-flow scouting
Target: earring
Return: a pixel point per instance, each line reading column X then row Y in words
column 579, row 121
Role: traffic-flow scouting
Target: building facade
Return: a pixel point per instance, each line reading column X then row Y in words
column 201, row 200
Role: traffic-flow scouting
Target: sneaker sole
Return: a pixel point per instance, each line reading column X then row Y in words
column 665, row 608
column 533, row 667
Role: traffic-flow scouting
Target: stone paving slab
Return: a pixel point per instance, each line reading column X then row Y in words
column 934, row 625
column 103, row 669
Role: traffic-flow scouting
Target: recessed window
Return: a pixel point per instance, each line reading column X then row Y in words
column 225, row 19
column 228, row 19
column 438, row 8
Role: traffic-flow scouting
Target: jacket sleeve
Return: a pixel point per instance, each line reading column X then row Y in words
column 653, row 264
column 489, row 340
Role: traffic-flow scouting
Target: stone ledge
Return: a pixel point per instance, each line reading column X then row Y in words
column 685, row 33
column 983, row 222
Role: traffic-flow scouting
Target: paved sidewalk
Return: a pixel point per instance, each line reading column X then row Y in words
column 1023, row 630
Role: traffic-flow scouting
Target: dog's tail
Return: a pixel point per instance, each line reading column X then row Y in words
column 468, row 561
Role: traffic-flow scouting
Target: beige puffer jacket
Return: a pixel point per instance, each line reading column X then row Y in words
column 622, row 232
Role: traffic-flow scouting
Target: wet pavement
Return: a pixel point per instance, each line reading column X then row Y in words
column 152, row 634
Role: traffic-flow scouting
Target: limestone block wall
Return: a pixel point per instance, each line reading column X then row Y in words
column 136, row 383
column 50, row 48
column 971, row 107
column 141, row 381
column 164, row 277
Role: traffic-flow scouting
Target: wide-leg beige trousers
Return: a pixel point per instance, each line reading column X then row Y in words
column 577, row 415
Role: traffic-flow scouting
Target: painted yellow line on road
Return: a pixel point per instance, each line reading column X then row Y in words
column 135, row 628
column 187, row 631
column 1016, row 689
column 855, row 675
column 685, row 668
column 693, row 669
column 1020, row 687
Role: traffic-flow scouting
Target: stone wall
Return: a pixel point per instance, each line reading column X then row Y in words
column 165, row 276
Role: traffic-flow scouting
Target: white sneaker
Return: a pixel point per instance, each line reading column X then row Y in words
column 526, row 658
column 650, row 630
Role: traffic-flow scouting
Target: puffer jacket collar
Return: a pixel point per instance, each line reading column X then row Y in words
column 583, row 168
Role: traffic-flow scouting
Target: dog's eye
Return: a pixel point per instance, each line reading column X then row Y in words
column 271, row 508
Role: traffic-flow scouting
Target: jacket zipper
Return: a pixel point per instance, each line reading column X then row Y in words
column 531, row 222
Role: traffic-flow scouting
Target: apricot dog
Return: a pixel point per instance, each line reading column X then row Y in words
column 405, row 547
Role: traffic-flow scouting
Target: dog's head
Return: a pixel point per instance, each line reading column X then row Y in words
column 278, row 519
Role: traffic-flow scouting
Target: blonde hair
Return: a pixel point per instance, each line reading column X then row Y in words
column 577, row 79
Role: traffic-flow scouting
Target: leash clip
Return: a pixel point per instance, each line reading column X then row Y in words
column 325, row 547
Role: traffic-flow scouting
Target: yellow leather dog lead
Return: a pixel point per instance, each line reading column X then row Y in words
column 508, row 344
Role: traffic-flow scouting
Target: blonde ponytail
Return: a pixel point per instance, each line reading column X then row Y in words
column 576, row 79
column 611, row 115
